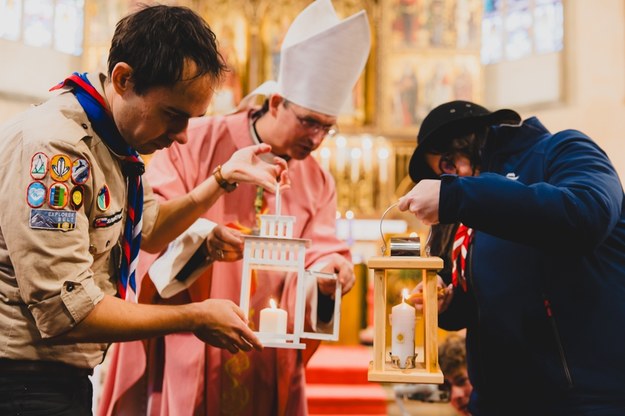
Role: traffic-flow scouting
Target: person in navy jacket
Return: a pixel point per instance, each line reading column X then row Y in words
column 536, row 230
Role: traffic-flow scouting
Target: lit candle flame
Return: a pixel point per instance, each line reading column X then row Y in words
column 404, row 295
column 413, row 235
column 273, row 304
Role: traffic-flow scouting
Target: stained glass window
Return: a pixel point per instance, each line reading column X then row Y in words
column 515, row 29
column 10, row 19
column 38, row 16
column 54, row 24
column 68, row 26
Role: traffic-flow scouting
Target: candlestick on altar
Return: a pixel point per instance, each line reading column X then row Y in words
column 341, row 145
column 383, row 155
column 355, row 164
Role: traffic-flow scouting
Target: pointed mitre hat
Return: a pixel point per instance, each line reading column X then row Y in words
column 320, row 60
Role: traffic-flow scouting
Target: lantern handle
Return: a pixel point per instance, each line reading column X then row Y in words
column 381, row 221
column 384, row 247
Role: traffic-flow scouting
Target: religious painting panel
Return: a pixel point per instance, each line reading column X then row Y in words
column 421, row 24
column 414, row 84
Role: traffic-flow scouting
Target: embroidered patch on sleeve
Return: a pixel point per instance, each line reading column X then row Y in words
column 36, row 194
column 107, row 221
column 45, row 219
column 80, row 171
column 60, row 168
column 39, row 166
column 104, row 198
column 76, row 197
column 58, row 196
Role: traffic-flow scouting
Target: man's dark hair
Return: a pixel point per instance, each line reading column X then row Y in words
column 157, row 41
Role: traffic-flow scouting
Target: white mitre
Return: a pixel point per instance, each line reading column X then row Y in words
column 320, row 60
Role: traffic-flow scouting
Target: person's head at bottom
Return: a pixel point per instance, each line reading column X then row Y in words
column 453, row 362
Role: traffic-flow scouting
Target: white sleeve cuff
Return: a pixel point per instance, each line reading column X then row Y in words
column 164, row 270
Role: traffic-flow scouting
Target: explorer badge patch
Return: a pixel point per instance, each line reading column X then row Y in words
column 46, row 219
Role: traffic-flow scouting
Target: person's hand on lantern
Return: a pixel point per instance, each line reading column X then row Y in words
column 224, row 244
column 422, row 201
column 344, row 270
column 224, row 325
column 444, row 294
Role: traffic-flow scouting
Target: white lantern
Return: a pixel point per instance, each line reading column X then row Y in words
column 275, row 249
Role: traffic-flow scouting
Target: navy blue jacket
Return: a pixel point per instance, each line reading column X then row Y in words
column 545, row 309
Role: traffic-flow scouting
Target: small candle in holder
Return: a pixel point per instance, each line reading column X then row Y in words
column 403, row 320
column 273, row 319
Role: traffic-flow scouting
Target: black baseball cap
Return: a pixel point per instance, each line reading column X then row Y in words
column 447, row 122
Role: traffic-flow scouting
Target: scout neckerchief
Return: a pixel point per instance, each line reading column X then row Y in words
column 462, row 240
column 132, row 166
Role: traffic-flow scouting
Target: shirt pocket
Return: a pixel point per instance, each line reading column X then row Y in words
column 105, row 247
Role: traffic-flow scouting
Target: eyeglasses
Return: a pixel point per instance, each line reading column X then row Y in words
column 314, row 126
column 447, row 162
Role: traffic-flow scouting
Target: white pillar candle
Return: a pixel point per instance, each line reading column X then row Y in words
column 273, row 319
column 341, row 145
column 367, row 145
column 403, row 321
column 278, row 199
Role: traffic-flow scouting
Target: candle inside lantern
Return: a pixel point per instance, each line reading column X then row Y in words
column 403, row 320
column 278, row 198
column 273, row 319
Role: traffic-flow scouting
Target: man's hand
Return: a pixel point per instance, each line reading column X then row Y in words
column 224, row 244
column 345, row 275
column 245, row 166
column 444, row 295
column 422, row 201
column 223, row 325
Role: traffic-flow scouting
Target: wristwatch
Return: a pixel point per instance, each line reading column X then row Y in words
column 227, row 186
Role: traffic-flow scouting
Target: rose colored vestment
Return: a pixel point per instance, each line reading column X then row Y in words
column 199, row 379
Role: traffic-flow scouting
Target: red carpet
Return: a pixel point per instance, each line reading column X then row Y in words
column 336, row 378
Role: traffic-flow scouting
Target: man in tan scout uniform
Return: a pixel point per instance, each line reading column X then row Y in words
column 75, row 208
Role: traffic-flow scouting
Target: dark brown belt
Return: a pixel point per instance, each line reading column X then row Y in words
column 45, row 367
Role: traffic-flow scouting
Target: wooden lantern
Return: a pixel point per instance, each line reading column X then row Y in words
column 275, row 249
column 381, row 369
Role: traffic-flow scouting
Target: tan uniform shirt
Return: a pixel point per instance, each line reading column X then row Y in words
column 63, row 211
